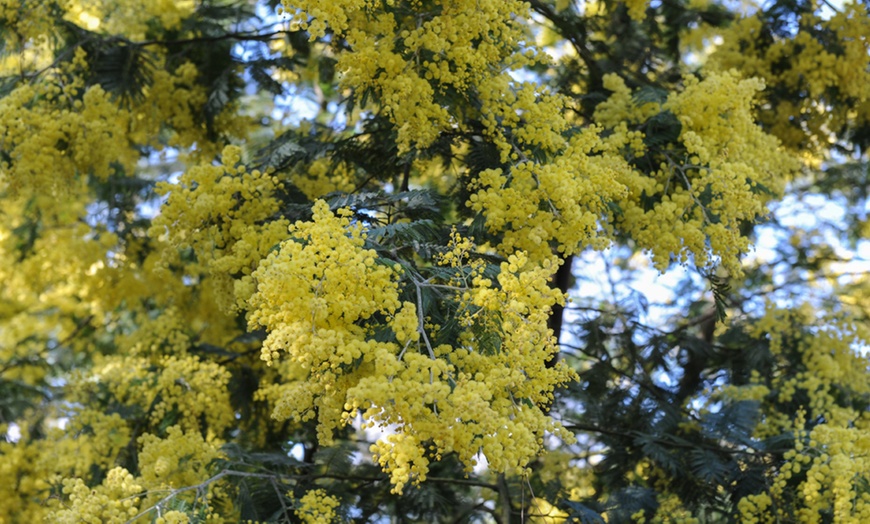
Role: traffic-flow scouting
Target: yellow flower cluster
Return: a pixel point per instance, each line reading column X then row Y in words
column 836, row 461
column 162, row 334
column 344, row 344
column 27, row 476
column 833, row 463
column 728, row 173
column 228, row 215
column 64, row 276
column 172, row 517
column 560, row 465
column 832, row 75
column 636, row 9
column 729, row 170
column 115, row 501
column 538, row 206
column 829, row 461
column 129, row 18
column 318, row 295
column 323, row 176
column 55, row 130
column 544, row 205
column 620, row 106
column 314, row 295
column 323, row 13
column 671, row 510
column 483, row 396
column 827, row 360
column 316, row 507
column 32, row 24
column 755, row 509
column 413, row 60
column 179, row 460
column 170, row 104
column 93, row 439
column 191, row 391
column 63, row 268
column 530, row 114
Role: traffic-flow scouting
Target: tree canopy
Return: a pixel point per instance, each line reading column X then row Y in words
column 486, row 261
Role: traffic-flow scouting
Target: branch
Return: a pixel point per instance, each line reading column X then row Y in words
column 247, row 36
column 60, row 58
column 831, row 6
column 463, row 482
column 589, row 428
column 284, row 508
column 178, row 491
column 275, row 478
column 420, row 325
column 575, row 35
column 15, row 362
column 505, row 496
column 241, row 36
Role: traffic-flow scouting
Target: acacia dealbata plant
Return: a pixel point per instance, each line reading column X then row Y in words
column 336, row 261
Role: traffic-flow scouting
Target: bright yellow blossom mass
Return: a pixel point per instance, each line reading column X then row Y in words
column 335, row 261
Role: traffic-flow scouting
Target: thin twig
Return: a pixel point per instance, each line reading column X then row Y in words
column 242, row 35
column 284, row 507
column 420, row 325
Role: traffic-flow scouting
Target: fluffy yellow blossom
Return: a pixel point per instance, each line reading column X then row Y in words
column 176, row 462
column 620, row 106
column 167, row 115
column 129, row 342
column 312, row 295
column 412, row 65
column 324, row 176
column 729, row 170
column 31, row 24
column 57, row 127
column 94, row 439
column 221, row 211
column 831, row 454
column 172, row 517
column 834, row 80
column 670, row 511
column 115, row 501
column 183, row 390
column 53, row 131
column 29, row 477
column 128, row 17
column 478, row 397
column 636, row 9
column 316, row 507
column 317, row 292
column 556, row 204
column 180, row 459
